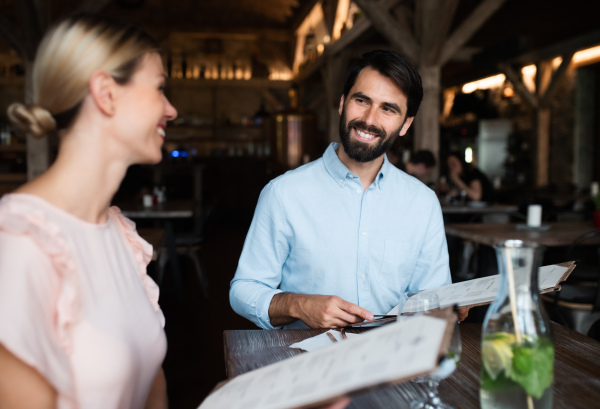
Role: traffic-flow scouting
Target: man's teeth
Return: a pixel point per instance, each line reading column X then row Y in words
column 161, row 132
column 364, row 134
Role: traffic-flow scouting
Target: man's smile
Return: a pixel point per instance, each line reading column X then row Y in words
column 364, row 135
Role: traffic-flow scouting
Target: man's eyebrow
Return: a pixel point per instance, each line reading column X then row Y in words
column 360, row 95
column 393, row 106
column 390, row 105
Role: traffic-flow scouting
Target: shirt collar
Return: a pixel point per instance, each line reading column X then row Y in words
column 339, row 172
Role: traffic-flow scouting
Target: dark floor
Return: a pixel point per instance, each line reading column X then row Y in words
column 194, row 362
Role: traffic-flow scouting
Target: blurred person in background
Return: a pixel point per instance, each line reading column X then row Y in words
column 464, row 177
column 420, row 165
column 80, row 324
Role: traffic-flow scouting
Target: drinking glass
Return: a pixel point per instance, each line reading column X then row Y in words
column 419, row 304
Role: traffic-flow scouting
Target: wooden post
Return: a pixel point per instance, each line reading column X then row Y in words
column 543, row 145
column 427, row 121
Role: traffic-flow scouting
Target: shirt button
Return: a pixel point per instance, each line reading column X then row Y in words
column 363, row 276
column 358, row 191
column 364, row 233
column 341, row 180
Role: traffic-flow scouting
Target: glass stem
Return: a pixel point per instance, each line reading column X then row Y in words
column 432, row 391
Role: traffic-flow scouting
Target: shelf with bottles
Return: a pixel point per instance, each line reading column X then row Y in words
column 190, row 149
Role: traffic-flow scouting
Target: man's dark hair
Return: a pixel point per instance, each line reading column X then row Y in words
column 425, row 157
column 394, row 66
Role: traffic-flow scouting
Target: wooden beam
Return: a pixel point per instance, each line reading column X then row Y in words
column 558, row 75
column 427, row 121
column 543, row 76
column 468, row 27
column 557, row 49
column 358, row 29
column 329, row 10
column 302, row 14
column 437, row 20
column 400, row 37
column 543, row 145
column 520, row 87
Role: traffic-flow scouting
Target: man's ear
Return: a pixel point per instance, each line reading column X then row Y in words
column 341, row 108
column 407, row 122
column 103, row 91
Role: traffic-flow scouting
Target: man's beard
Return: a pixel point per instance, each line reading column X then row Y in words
column 361, row 151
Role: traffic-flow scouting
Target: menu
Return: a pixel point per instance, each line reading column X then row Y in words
column 389, row 354
column 481, row 291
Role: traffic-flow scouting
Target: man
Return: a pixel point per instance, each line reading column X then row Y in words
column 348, row 235
column 420, row 165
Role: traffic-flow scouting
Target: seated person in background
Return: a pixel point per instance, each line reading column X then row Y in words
column 465, row 177
column 420, row 165
column 348, row 235
column 80, row 324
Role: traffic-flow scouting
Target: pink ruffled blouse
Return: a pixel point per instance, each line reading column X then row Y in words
column 77, row 305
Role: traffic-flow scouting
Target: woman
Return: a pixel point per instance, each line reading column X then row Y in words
column 469, row 179
column 80, row 326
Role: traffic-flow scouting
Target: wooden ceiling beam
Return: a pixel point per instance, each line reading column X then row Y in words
column 399, row 36
column 468, row 27
column 329, row 11
column 561, row 48
column 556, row 77
column 520, row 87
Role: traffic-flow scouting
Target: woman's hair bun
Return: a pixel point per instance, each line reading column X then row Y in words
column 32, row 119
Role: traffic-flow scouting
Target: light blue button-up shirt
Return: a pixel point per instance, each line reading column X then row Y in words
column 316, row 231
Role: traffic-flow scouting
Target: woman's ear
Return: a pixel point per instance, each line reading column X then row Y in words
column 103, row 90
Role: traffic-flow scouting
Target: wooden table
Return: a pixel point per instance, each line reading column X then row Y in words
column 469, row 209
column 576, row 367
column 559, row 234
column 474, row 234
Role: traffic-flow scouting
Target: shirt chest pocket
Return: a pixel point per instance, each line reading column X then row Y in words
column 393, row 262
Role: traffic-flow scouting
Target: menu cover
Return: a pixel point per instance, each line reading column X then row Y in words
column 390, row 354
column 481, row 291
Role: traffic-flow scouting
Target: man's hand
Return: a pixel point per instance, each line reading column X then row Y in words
column 316, row 311
column 462, row 313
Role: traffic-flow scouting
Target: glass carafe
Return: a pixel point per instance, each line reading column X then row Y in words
column 517, row 352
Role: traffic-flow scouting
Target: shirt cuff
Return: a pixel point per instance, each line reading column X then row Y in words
column 262, row 310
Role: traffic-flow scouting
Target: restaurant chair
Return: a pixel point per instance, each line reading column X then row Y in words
column 188, row 244
column 577, row 304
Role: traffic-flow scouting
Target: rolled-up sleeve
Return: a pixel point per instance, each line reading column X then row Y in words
column 258, row 275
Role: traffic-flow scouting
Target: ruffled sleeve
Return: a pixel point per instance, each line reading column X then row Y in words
column 39, row 298
column 142, row 251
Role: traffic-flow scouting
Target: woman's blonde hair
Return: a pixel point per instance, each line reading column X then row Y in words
column 67, row 56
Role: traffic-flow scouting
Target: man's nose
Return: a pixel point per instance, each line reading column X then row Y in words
column 370, row 116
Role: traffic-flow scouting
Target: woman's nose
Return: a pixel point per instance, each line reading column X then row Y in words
column 170, row 112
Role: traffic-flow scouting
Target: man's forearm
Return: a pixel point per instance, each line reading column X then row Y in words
column 281, row 307
column 316, row 311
